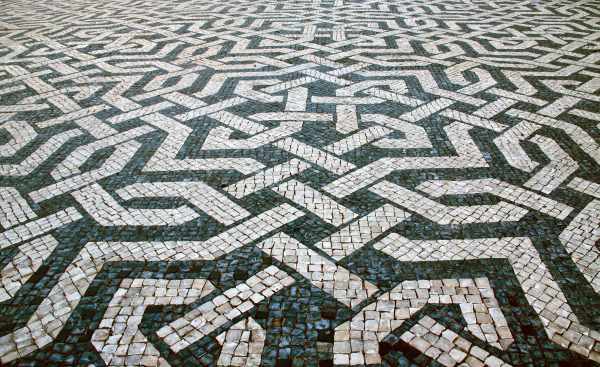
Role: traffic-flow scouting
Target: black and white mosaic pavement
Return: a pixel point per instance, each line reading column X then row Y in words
column 300, row 183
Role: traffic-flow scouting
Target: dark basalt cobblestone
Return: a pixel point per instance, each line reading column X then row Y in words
column 313, row 183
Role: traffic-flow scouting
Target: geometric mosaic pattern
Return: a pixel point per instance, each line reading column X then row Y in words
column 300, row 183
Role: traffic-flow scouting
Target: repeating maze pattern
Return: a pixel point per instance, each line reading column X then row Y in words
column 367, row 182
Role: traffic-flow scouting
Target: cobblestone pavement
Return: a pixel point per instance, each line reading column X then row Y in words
column 300, row 183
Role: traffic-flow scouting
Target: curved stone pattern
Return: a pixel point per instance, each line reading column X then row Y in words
column 119, row 340
column 314, row 182
column 356, row 341
column 541, row 290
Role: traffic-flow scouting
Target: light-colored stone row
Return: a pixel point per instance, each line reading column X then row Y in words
column 324, row 274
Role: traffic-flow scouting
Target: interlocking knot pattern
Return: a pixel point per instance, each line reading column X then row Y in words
column 300, row 183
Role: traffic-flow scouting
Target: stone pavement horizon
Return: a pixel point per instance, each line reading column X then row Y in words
column 300, row 183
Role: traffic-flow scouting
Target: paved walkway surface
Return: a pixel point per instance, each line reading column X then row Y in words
column 300, row 183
